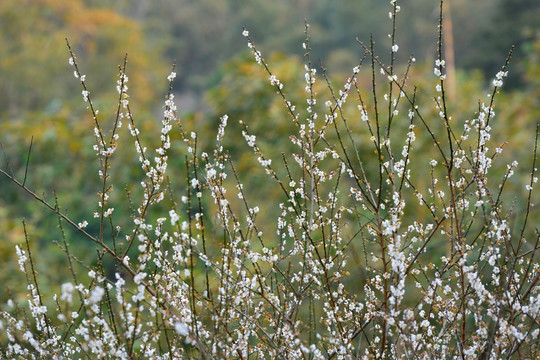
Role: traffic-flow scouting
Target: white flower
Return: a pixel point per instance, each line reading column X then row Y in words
column 96, row 295
column 181, row 328
column 395, row 48
column 171, row 76
column 258, row 57
column 365, row 116
column 440, row 63
column 501, row 74
column 174, row 217
column 249, row 138
column 245, row 33
column 67, row 290
column 139, row 277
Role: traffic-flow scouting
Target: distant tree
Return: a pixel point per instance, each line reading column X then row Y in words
column 513, row 22
column 33, row 52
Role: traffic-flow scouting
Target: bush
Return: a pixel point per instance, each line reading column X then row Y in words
column 418, row 252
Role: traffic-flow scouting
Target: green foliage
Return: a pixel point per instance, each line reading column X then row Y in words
column 32, row 55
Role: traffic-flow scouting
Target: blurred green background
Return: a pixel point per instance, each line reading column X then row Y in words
column 39, row 97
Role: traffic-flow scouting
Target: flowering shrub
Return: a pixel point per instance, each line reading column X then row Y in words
column 445, row 270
